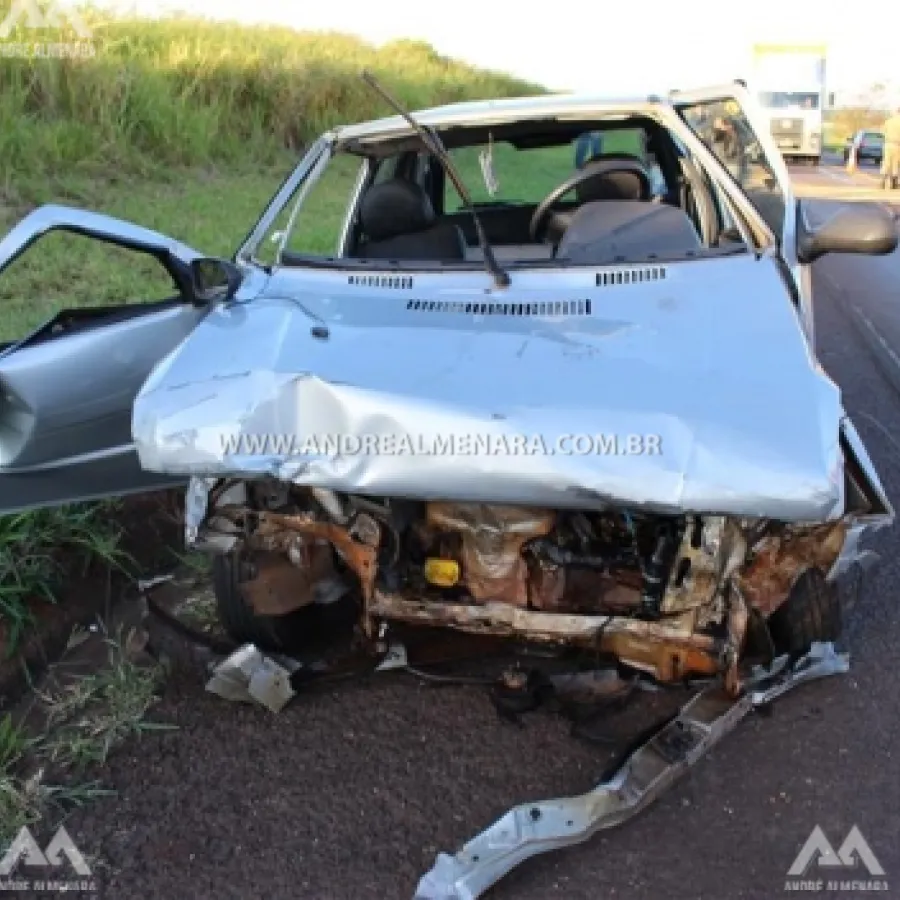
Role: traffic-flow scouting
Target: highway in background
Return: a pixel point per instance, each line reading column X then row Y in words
column 832, row 180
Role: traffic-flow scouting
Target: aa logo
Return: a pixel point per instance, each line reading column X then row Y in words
column 32, row 14
column 25, row 850
column 818, row 851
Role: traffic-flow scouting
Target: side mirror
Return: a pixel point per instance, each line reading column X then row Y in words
column 214, row 279
column 851, row 228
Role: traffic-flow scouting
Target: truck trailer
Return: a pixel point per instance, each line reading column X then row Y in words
column 789, row 81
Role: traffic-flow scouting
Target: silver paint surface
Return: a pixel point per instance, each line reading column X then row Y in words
column 711, row 359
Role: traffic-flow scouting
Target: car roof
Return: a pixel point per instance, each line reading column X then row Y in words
column 483, row 112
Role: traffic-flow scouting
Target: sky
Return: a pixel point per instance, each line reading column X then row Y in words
column 597, row 47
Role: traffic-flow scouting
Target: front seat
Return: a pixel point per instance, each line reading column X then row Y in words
column 398, row 222
column 620, row 185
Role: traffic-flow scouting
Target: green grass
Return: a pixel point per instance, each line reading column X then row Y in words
column 183, row 92
column 173, row 122
column 25, row 797
column 210, row 210
column 81, row 719
column 39, row 549
column 94, row 713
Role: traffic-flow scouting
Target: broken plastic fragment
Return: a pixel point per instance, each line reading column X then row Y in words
column 395, row 658
column 247, row 676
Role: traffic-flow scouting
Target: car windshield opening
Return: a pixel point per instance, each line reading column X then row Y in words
column 389, row 204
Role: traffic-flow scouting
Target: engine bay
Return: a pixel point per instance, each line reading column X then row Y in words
column 668, row 595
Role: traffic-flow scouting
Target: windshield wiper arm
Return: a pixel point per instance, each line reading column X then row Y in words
column 435, row 145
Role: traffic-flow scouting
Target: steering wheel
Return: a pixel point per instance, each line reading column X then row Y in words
column 597, row 169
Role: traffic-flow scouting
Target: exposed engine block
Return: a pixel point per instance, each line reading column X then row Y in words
column 567, row 562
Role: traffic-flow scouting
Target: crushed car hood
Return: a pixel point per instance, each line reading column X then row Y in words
column 707, row 358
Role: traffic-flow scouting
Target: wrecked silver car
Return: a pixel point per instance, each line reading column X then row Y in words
column 578, row 408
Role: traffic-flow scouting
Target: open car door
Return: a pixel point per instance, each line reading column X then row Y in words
column 727, row 119
column 66, row 389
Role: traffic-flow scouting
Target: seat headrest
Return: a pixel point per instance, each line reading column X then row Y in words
column 627, row 179
column 395, row 207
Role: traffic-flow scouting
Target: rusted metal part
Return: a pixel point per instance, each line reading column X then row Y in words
column 669, row 651
column 285, row 582
column 694, row 576
column 361, row 558
column 278, row 530
column 494, row 569
column 711, row 550
column 666, row 658
column 779, row 560
column 590, row 592
column 531, row 599
column 738, row 620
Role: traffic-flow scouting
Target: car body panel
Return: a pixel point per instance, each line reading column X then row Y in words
column 487, row 112
column 867, row 145
column 643, row 361
column 66, row 389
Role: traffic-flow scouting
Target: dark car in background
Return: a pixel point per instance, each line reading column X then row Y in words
column 869, row 146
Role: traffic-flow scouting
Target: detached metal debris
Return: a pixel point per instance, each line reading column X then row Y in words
column 531, row 829
column 534, row 828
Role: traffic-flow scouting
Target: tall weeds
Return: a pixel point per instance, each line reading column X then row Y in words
column 178, row 92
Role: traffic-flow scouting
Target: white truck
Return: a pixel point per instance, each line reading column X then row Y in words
column 789, row 81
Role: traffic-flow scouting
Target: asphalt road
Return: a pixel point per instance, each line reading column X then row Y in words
column 831, row 179
column 348, row 794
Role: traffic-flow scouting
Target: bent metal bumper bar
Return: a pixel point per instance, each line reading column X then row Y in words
column 534, row 828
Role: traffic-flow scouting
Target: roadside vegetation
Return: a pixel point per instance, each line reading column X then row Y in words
column 50, row 749
column 181, row 92
column 40, row 549
column 868, row 110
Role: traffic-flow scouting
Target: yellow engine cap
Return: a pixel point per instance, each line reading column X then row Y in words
column 442, row 572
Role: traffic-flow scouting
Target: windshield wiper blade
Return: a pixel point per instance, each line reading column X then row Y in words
column 435, row 145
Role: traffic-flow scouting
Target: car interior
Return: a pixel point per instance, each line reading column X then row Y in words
column 612, row 208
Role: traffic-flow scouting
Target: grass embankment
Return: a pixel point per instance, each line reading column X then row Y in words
column 186, row 127
column 185, row 93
